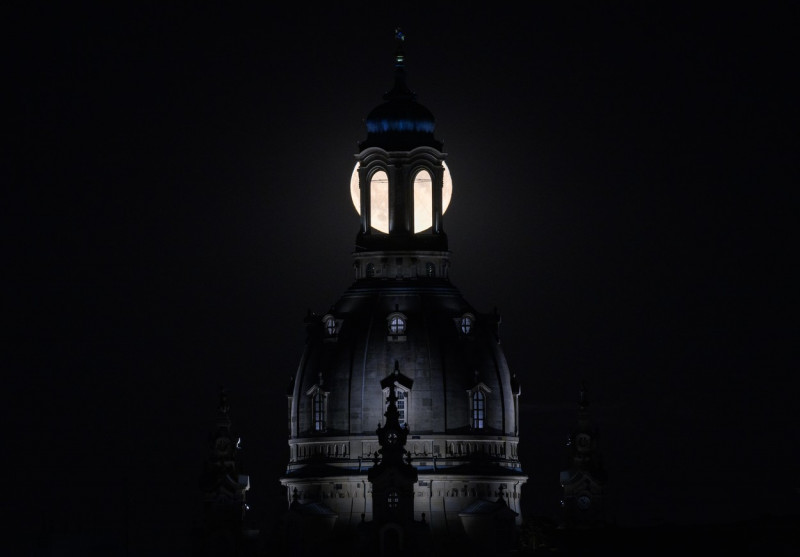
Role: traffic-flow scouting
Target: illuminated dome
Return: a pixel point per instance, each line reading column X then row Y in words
column 402, row 327
column 423, row 337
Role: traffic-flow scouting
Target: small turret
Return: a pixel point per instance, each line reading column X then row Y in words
column 585, row 478
column 223, row 487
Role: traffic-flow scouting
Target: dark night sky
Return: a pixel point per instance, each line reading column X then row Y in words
column 176, row 198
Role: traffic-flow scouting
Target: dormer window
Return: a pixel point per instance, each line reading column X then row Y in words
column 319, row 408
column 401, row 384
column 331, row 325
column 478, row 409
column 330, row 329
column 465, row 324
column 477, row 404
column 401, row 403
column 319, row 411
column 396, row 326
column 401, row 406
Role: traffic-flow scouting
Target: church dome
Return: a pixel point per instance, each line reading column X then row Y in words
column 402, row 332
column 421, row 336
column 400, row 123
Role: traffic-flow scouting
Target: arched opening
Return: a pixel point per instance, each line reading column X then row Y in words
column 379, row 201
column 478, row 409
column 397, row 324
column 423, row 201
column 319, row 412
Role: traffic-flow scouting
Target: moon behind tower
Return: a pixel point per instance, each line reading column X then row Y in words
column 380, row 213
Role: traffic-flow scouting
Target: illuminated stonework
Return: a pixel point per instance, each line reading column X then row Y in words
column 403, row 328
column 423, row 198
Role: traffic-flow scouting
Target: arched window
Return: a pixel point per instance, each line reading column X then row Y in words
column 379, row 201
column 430, row 269
column 465, row 324
column 401, row 406
column 423, row 201
column 393, row 499
column 370, row 270
column 318, row 409
column 397, row 325
column 478, row 409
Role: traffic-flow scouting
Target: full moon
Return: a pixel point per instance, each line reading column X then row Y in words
column 423, row 198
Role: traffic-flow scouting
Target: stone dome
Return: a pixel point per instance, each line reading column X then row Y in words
column 403, row 330
column 421, row 334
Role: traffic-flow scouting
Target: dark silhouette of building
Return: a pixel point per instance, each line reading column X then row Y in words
column 224, row 487
column 584, row 480
column 403, row 344
column 402, row 348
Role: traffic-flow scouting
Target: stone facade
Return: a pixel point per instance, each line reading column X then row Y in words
column 403, row 327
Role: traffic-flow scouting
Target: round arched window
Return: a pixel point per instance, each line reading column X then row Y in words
column 379, row 201
column 423, row 201
column 379, row 197
column 397, row 325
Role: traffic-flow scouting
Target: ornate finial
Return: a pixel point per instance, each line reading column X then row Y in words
column 400, row 89
column 500, row 496
column 399, row 57
column 391, row 399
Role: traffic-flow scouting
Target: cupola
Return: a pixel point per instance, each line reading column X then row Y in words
column 400, row 123
column 401, row 187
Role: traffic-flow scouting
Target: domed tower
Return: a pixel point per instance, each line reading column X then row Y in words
column 403, row 329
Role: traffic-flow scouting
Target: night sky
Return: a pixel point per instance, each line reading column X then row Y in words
column 176, row 198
